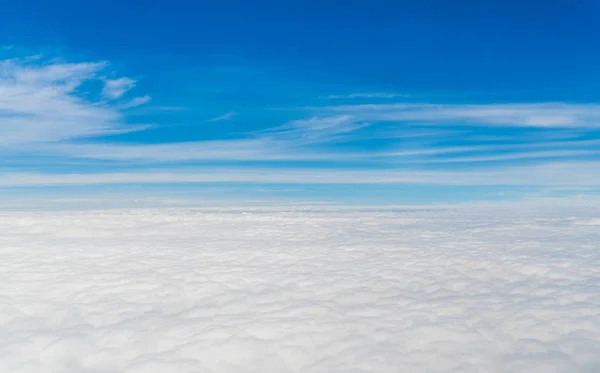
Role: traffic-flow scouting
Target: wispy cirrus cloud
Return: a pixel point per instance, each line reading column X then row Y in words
column 226, row 116
column 215, row 150
column 40, row 103
column 116, row 88
column 315, row 130
column 135, row 102
column 367, row 95
column 539, row 115
column 293, row 149
column 512, row 156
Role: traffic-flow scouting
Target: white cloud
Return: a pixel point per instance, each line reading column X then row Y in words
column 289, row 143
column 116, row 88
column 367, row 95
column 541, row 115
column 40, row 103
column 572, row 174
column 237, row 149
column 45, row 113
column 225, row 116
column 315, row 130
column 512, row 156
column 137, row 101
column 510, row 289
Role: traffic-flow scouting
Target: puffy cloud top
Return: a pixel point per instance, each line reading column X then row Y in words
column 302, row 290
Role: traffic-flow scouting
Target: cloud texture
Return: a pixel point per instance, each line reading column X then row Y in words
column 44, row 102
column 502, row 289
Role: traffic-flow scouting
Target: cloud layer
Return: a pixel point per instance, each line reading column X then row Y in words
column 495, row 290
column 551, row 174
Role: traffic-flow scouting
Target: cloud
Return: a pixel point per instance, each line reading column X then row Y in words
column 540, row 115
column 115, row 88
column 236, row 149
column 226, row 116
column 138, row 101
column 315, row 130
column 284, row 146
column 302, row 289
column 286, row 142
column 513, row 156
column 572, row 174
column 367, row 95
column 46, row 112
column 40, row 102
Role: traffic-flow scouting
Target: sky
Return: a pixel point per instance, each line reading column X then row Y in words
column 354, row 101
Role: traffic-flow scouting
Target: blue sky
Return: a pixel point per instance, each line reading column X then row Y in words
column 368, row 101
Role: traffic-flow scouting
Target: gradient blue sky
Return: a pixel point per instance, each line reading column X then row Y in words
column 370, row 101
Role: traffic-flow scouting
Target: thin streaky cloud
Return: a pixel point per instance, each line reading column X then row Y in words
column 314, row 130
column 511, row 156
column 540, row 115
column 290, row 148
column 440, row 150
column 572, row 174
column 171, row 108
column 239, row 150
column 115, row 88
column 135, row 102
column 226, row 116
column 382, row 95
